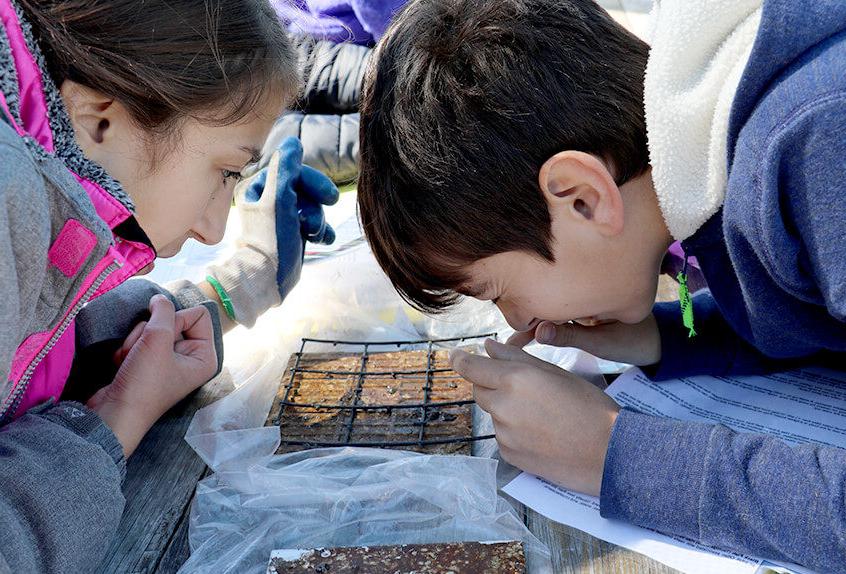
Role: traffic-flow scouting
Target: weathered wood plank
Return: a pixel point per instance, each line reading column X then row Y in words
column 575, row 552
column 161, row 478
column 178, row 551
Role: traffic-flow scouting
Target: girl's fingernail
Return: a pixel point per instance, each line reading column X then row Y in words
column 545, row 333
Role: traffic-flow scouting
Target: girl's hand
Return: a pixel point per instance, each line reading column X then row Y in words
column 638, row 344
column 161, row 362
column 548, row 422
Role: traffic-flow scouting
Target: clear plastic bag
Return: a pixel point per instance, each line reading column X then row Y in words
column 343, row 297
column 256, row 502
column 348, row 497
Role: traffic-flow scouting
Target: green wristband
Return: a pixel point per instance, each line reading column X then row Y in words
column 224, row 298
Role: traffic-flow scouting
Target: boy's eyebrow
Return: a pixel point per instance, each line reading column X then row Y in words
column 474, row 290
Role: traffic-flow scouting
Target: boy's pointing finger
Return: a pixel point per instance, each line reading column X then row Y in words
column 478, row 370
column 506, row 352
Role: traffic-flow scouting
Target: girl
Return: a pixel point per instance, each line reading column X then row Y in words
column 172, row 100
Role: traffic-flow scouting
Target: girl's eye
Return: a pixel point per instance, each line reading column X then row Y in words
column 233, row 175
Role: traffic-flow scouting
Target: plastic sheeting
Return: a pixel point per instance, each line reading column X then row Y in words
column 257, row 502
column 348, row 497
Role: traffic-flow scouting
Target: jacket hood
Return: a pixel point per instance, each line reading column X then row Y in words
column 699, row 49
column 710, row 63
column 788, row 29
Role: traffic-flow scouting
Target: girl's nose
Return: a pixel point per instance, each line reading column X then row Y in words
column 212, row 226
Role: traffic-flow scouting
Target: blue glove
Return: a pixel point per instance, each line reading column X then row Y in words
column 313, row 190
column 274, row 229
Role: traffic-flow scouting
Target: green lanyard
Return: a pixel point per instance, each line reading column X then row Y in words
column 684, row 300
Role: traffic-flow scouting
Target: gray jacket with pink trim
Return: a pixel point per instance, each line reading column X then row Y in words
column 67, row 237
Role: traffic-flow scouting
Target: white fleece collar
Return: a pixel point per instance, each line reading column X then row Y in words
column 699, row 51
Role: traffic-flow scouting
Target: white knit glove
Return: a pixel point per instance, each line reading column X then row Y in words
column 280, row 208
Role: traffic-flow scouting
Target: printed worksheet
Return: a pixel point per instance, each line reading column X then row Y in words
column 802, row 406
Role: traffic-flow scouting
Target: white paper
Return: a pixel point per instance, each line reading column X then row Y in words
column 582, row 512
column 797, row 407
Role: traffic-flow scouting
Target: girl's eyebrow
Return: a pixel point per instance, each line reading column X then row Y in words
column 253, row 152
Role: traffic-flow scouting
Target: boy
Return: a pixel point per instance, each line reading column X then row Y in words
column 504, row 156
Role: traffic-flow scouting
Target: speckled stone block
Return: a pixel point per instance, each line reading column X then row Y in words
column 453, row 558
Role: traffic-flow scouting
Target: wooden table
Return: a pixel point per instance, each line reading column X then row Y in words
column 163, row 473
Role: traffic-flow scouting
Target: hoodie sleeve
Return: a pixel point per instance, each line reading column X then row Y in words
column 715, row 350
column 806, row 164
column 747, row 493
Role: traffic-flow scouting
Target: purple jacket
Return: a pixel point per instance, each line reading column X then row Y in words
column 357, row 21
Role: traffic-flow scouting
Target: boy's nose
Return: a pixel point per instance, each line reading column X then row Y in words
column 515, row 318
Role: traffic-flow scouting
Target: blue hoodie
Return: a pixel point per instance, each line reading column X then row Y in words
column 774, row 258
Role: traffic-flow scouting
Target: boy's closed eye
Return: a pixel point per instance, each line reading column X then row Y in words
column 477, row 291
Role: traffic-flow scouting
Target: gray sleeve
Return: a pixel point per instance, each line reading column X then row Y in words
column 61, row 470
column 60, row 466
column 113, row 315
column 24, row 217
column 103, row 324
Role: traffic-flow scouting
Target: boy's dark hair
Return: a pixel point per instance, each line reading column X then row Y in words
column 463, row 102
column 213, row 60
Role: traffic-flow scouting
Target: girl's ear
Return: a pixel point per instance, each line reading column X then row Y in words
column 580, row 186
column 93, row 114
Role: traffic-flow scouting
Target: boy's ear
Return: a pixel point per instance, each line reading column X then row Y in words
column 93, row 114
column 581, row 186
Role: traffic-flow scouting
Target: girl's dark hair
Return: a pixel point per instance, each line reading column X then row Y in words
column 166, row 60
column 464, row 101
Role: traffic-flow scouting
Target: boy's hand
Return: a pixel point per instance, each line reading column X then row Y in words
column 548, row 422
column 638, row 344
column 161, row 362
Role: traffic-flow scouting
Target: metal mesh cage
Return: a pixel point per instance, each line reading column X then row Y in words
column 395, row 394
